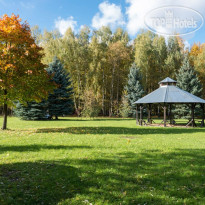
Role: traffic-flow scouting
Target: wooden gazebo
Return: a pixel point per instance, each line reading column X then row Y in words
column 167, row 95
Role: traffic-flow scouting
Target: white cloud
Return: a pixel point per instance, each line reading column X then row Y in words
column 63, row 24
column 137, row 10
column 110, row 14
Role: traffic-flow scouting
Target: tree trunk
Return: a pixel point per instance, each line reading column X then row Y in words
column 78, row 106
column 75, row 105
column 5, row 116
column 112, row 90
column 103, row 92
column 118, row 84
column 56, row 117
column 5, row 110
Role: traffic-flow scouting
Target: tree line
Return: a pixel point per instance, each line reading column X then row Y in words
column 100, row 72
column 99, row 63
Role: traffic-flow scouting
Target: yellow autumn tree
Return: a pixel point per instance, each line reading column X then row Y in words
column 199, row 64
column 22, row 75
column 195, row 50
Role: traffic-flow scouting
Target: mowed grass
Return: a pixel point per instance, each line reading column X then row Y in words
column 100, row 161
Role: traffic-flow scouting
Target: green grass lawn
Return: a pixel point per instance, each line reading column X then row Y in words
column 100, row 161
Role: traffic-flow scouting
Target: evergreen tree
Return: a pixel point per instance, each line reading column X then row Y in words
column 31, row 111
column 134, row 87
column 187, row 80
column 60, row 102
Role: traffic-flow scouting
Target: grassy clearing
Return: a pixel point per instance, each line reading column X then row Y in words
column 101, row 161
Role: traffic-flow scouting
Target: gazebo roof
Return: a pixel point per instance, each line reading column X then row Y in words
column 168, row 80
column 169, row 94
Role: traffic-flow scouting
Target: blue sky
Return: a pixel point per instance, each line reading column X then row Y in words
column 129, row 14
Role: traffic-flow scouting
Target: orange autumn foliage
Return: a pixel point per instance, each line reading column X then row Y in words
column 22, row 74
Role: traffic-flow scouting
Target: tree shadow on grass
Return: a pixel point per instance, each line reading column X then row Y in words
column 151, row 177
column 112, row 119
column 38, row 183
column 90, row 119
column 69, row 120
column 121, row 130
column 38, row 147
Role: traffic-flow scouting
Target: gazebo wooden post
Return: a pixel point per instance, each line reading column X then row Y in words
column 137, row 118
column 141, row 114
column 149, row 114
column 202, row 122
column 165, row 115
column 192, row 114
column 170, row 113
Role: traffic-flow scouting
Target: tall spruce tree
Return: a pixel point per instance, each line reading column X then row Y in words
column 60, row 101
column 134, row 88
column 31, row 111
column 187, row 80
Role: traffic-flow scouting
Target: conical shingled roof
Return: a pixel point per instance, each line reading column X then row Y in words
column 169, row 94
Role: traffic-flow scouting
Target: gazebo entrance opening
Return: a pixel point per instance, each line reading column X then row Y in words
column 167, row 95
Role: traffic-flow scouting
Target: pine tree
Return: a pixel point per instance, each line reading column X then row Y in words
column 31, row 111
column 134, row 87
column 187, row 80
column 60, row 102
